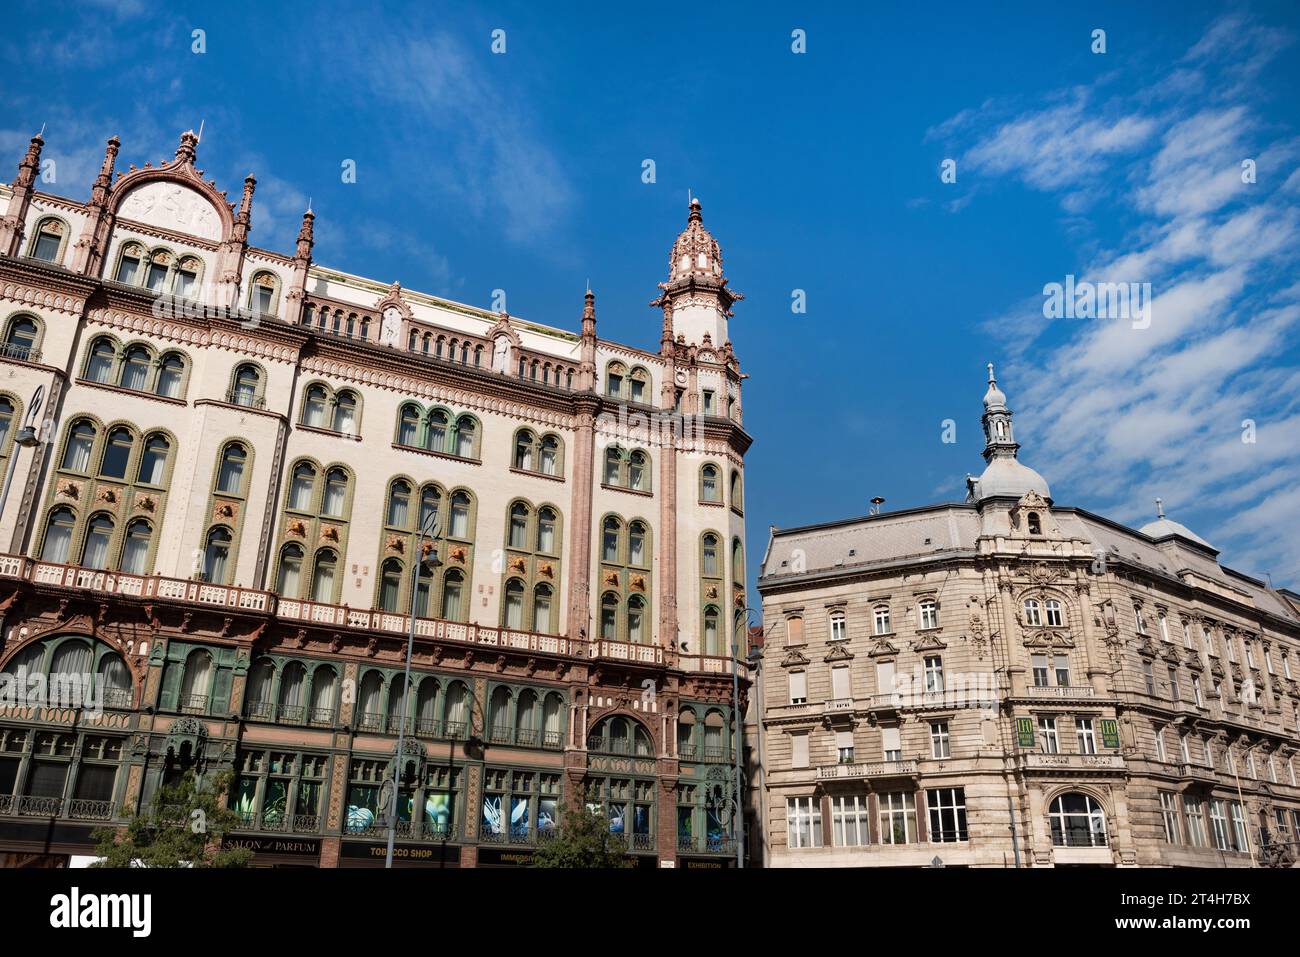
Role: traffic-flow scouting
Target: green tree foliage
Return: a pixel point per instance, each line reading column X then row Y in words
column 584, row 841
column 183, row 826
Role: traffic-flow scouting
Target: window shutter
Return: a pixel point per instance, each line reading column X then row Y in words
column 840, row 683
column 799, row 750
column 884, row 677
column 843, row 739
column 891, row 738
column 798, row 685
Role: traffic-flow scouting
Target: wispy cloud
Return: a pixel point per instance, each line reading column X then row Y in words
column 1203, row 407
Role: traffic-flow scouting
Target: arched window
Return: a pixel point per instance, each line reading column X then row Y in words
column 455, row 710
column 1035, row 526
column 153, row 461
column 436, row 436
column 58, row 535
column 524, row 448
column 452, row 583
column 81, row 439
column 552, row 721
column 196, row 682
column 466, row 432
column 460, row 505
column 639, row 385
column 313, row 412
column 117, row 453
column 737, row 492
column 323, row 575
column 430, row 501
column 47, row 241
column 186, row 282
column 1053, row 609
column 324, row 695
column 408, row 425
column 300, row 490
column 513, row 605
column 230, row 475
column 216, row 553
column 614, row 376
column 518, row 536
column 929, row 613
column 613, row 464
column 100, row 361
column 609, row 539
column 637, row 554
column 709, row 490
column 155, row 278
column 336, row 493
column 390, row 585
column 115, row 682
column 1033, row 613
column 345, row 413
column 171, row 373
column 551, row 451
column 72, row 658
column 247, row 389
column 711, row 566
column 128, row 264
column 712, row 634
column 396, row 702
column 293, row 690
column 636, row 631
column 261, row 294
column 399, row 505
column 370, row 701
column 289, row 582
column 546, row 540
column 21, row 338
column 134, row 373
column 1077, row 820
column 609, row 616
column 543, row 609
column 135, row 547
column 527, row 714
column 686, row 734
column 637, row 474
column 737, row 562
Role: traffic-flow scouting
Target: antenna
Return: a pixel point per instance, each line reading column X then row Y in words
column 875, row 505
column 1160, row 508
column 200, row 135
column 42, row 132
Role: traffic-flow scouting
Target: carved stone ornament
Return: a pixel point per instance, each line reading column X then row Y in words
column 793, row 658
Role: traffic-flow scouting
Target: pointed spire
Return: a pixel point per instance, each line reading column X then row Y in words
column 306, row 235
column 188, row 149
column 31, row 163
column 696, row 214
column 104, row 181
column 589, row 314
column 998, row 441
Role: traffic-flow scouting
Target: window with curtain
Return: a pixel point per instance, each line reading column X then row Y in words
column 128, row 264
column 452, row 583
column 216, row 554
column 135, row 547
column 115, row 681
column 290, row 576
column 248, row 381
column 230, row 476
column 609, row 540
column 336, row 493
column 518, row 537
column 71, row 658
column 99, row 531
column 636, row 471
column 514, row 604
column 613, row 459
column 524, row 450
column 543, row 618
column 712, row 641
column 324, row 693
column 546, row 531
column 436, row 438
column 345, row 412
column 711, row 569
column 261, row 681
column 135, row 368
column 20, row 340
column 314, row 408
column 100, row 366
column 709, row 484
column 636, row 620
column 76, row 457
column 408, row 425
column 390, row 585
column 459, row 515
column 153, row 460
column 322, row 579
column 399, row 500
column 300, row 491
column 58, row 535
column 196, row 683
column 6, row 421
column 609, row 617
column 550, row 455
column 636, row 545
column 465, row 433
column 456, row 708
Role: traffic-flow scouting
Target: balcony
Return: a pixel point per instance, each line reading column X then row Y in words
column 74, row 809
column 722, row 846
column 1198, row 772
column 868, row 769
column 1075, row 763
column 838, row 706
column 279, row 823
column 624, row 651
column 1060, row 691
column 404, row 830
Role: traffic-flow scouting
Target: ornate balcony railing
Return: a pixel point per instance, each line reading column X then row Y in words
column 76, row 809
column 260, row 710
column 322, row 717
column 1060, row 691
column 247, row 399
column 370, row 721
column 291, row 714
column 1036, row 761
column 83, row 809
column 838, row 705
column 120, row 699
column 643, row 842
column 194, row 704
column 16, row 350
column 627, row 651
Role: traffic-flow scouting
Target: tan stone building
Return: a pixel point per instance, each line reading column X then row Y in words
column 1009, row 680
column 215, row 518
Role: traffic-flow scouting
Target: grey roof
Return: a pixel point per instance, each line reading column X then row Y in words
column 1164, row 527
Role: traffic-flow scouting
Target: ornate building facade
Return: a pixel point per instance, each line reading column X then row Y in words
column 212, row 542
column 1009, row 681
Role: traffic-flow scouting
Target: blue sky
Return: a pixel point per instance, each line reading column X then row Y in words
column 818, row 171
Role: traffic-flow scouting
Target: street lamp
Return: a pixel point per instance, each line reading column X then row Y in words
column 429, row 528
column 25, row 437
column 738, row 825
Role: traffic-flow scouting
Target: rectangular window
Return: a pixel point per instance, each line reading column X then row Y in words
column 840, row 683
column 1219, row 824
column 798, row 687
column 929, row 615
column 1196, row 692
column 1047, row 732
column 799, row 750
column 933, row 673
column 1239, row 838
column 1173, row 684
column 947, row 807
column 939, row 741
column 839, row 629
column 803, row 817
column 891, row 743
column 1187, row 754
column 844, row 746
column 881, row 615
column 1040, row 671
column 849, row 821
column 708, row 402
column 1169, row 812
column 1195, row 821
column 885, row 677
column 897, row 818
column 1149, row 674
column 1083, row 731
column 1062, row 667
column 1160, row 744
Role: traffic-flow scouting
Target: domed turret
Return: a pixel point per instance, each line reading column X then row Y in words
column 1005, row 476
column 695, row 300
column 1163, row 527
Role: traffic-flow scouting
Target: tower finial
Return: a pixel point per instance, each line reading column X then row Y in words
column 992, row 379
column 1160, row 508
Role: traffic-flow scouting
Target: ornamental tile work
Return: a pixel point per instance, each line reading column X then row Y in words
column 240, row 477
